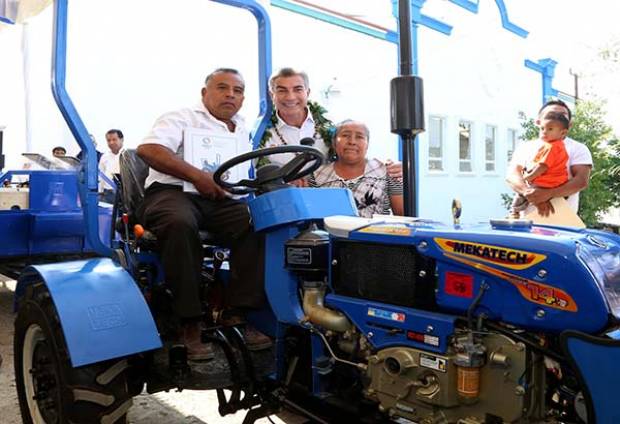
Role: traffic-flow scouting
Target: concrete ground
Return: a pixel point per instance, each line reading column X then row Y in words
column 195, row 407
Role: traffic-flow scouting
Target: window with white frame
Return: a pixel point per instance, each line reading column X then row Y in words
column 435, row 143
column 489, row 148
column 511, row 142
column 465, row 146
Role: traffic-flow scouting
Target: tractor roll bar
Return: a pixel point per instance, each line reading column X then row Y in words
column 88, row 178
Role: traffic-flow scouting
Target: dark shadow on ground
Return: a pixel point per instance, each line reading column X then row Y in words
column 148, row 409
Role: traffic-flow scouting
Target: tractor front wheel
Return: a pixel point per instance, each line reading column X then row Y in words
column 49, row 389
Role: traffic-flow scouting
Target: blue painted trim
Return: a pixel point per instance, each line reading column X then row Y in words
column 281, row 285
column 546, row 67
column 102, row 312
column 472, row 6
column 566, row 98
column 435, row 24
column 264, row 63
column 533, row 65
column 88, row 182
column 390, row 36
column 588, row 355
column 469, row 5
column 506, row 21
column 418, row 17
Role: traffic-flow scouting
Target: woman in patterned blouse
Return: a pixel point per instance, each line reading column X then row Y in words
column 375, row 192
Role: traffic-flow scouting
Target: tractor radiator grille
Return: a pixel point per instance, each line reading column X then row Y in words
column 392, row 274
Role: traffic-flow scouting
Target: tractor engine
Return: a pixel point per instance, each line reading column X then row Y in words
column 477, row 381
column 480, row 376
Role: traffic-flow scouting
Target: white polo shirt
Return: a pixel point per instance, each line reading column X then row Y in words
column 109, row 164
column 289, row 135
column 168, row 132
column 578, row 154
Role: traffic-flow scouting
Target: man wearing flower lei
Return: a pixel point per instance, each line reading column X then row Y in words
column 295, row 117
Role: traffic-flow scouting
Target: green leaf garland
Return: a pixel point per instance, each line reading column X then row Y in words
column 323, row 126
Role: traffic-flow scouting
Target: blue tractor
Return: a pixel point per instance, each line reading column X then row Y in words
column 41, row 218
column 389, row 319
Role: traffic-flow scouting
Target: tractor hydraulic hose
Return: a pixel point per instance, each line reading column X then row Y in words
column 531, row 343
column 474, row 304
column 360, row 366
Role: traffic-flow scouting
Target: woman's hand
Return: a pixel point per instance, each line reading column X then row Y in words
column 394, row 169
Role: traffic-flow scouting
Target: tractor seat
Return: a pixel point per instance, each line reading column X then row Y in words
column 132, row 177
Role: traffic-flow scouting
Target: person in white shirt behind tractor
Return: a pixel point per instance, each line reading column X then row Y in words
column 109, row 163
column 579, row 166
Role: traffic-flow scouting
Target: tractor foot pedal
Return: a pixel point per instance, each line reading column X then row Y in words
column 168, row 367
column 177, row 361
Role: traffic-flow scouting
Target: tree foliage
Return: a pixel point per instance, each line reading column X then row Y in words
column 589, row 127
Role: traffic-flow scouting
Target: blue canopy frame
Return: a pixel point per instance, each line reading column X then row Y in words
column 88, row 178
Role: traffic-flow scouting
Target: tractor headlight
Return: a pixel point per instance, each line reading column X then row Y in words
column 603, row 260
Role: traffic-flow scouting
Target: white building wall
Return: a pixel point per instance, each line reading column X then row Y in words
column 476, row 74
column 124, row 78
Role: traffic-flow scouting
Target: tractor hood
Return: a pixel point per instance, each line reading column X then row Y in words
column 539, row 277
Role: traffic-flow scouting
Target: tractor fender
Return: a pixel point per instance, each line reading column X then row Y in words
column 102, row 312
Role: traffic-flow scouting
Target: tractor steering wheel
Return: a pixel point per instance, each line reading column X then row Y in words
column 271, row 174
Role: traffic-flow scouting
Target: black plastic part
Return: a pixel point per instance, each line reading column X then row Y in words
column 262, row 411
column 391, row 274
column 1, row 155
column 133, row 173
column 307, row 141
column 409, row 176
column 177, row 357
column 234, row 403
column 492, row 419
column 407, row 105
column 404, row 40
column 307, row 254
column 238, row 339
column 307, row 160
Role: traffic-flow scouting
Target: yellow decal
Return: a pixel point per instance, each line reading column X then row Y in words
column 496, row 255
column 387, row 229
column 532, row 291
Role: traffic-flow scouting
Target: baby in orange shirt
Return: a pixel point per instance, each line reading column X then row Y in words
column 548, row 168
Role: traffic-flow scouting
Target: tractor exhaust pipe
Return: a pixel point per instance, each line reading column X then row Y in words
column 318, row 314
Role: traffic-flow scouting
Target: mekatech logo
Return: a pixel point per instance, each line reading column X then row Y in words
column 510, row 258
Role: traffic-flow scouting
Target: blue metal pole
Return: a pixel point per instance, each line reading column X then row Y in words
column 88, row 182
column 88, row 177
column 264, row 63
column 408, row 12
column 408, row 66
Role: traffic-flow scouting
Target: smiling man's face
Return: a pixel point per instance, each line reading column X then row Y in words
column 290, row 95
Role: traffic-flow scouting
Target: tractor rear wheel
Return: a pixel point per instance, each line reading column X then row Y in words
column 49, row 389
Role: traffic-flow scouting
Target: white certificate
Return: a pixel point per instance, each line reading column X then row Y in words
column 207, row 150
